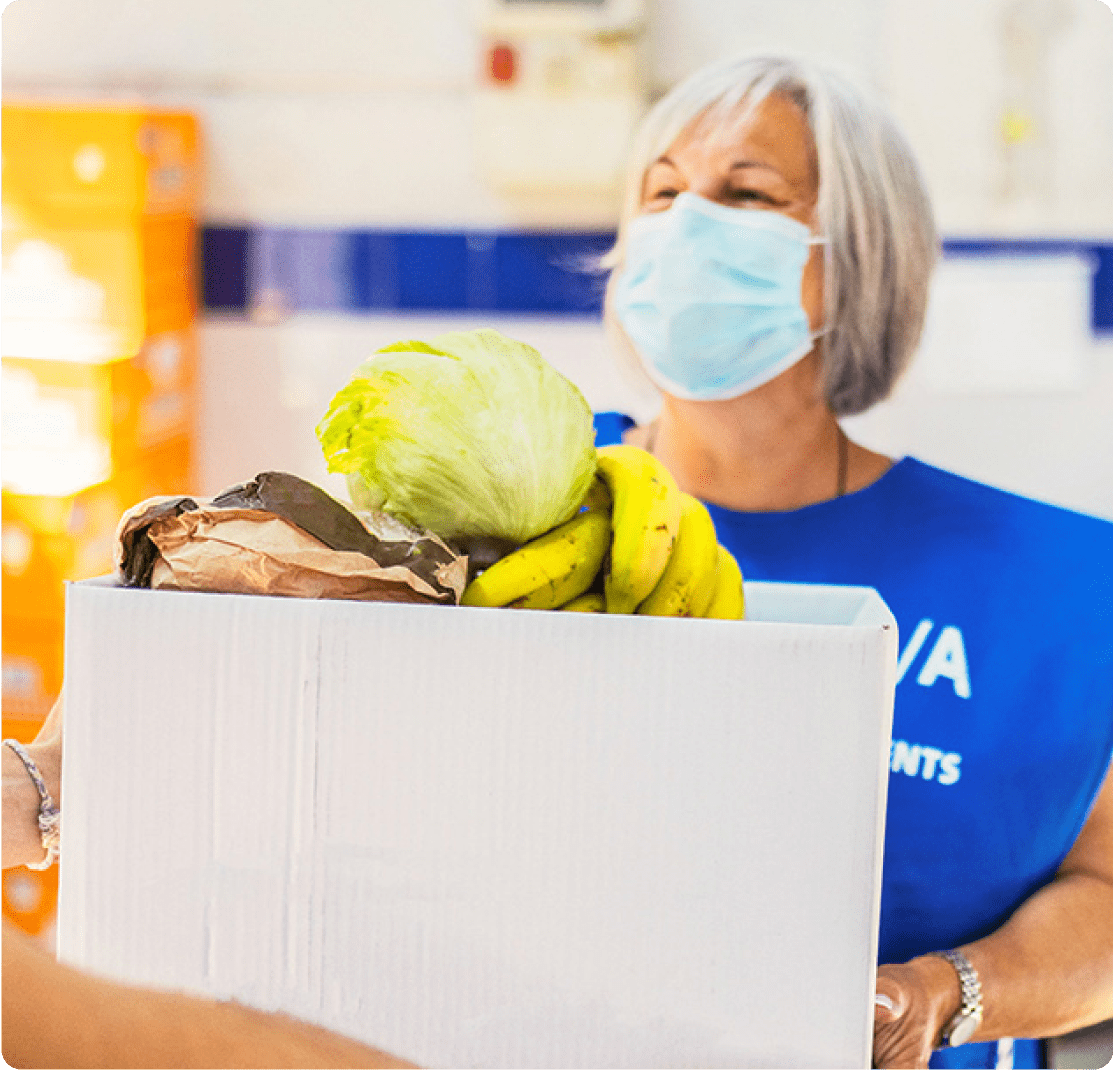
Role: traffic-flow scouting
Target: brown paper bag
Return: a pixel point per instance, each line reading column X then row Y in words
column 279, row 535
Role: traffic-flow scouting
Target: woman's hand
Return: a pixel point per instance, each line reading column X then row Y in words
column 924, row 995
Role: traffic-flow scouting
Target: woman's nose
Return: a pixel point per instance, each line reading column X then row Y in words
column 710, row 189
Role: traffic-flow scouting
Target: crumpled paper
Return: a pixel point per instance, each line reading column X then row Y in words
column 280, row 535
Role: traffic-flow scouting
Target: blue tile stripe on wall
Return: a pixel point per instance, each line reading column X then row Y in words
column 548, row 272
column 553, row 273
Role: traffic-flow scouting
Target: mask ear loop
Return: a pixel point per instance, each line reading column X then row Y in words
column 818, row 239
column 843, row 442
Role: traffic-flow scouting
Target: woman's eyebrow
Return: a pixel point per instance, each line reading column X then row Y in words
column 662, row 159
column 740, row 164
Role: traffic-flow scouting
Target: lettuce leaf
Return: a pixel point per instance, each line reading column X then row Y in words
column 471, row 434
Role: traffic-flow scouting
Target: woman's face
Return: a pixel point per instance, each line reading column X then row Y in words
column 768, row 163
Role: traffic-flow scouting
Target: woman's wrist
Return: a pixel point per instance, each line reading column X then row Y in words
column 943, row 989
column 23, row 840
column 48, row 759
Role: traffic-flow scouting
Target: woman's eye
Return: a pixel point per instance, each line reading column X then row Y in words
column 662, row 194
column 751, row 195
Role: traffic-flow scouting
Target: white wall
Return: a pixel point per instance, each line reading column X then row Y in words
column 944, row 70
column 268, row 386
column 1056, row 446
column 313, row 108
column 357, row 113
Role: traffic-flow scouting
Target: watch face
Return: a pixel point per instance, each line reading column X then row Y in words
column 963, row 1030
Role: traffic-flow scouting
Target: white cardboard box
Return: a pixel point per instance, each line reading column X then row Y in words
column 488, row 837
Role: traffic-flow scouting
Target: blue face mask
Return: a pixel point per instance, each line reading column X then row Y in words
column 710, row 296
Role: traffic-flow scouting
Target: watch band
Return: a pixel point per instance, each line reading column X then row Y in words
column 965, row 1023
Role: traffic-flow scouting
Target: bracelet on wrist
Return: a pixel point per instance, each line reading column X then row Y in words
column 50, row 818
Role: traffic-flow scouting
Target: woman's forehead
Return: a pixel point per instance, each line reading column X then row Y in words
column 774, row 132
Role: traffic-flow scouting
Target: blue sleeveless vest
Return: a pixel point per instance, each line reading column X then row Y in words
column 1003, row 722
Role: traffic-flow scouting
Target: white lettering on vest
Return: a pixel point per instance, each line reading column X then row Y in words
column 948, row 768
column 908, row 654
column 905, row 758
column 931, row 760
column 929, row 763
column 947, row 658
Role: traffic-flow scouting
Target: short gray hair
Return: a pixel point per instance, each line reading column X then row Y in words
column 873, row 208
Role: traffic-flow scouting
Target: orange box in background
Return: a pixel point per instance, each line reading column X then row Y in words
column 99, row 280
column 24, row 731
column 48, row 539
column 99, row 164
column 69, row 424
column 92, row 294
column 31, row 899
column 165, row 470
column 33, row 662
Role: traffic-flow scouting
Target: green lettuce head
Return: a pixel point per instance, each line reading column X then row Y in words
column 473, row 434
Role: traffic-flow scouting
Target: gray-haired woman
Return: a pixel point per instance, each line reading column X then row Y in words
column 771, row 276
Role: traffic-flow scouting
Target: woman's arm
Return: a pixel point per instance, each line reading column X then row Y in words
column 58, row 1016
column 22, row 842
column 1047, row 971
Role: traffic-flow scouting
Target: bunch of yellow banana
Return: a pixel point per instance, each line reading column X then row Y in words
column 637, row 545
column 665, row 558
column 553, row 569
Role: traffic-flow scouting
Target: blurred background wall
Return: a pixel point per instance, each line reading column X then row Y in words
column 330, row 127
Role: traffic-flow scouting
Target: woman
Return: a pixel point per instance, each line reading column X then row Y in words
column 55, row 1015
column 771, row 276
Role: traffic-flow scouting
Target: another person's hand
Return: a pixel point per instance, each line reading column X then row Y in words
column 22, row 839
column 55, row 1015
column 46, row 750
column 916, row 1000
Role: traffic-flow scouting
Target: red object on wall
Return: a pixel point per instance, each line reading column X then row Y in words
column 502, row 63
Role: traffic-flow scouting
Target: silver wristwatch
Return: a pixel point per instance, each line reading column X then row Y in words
column 965, row 1023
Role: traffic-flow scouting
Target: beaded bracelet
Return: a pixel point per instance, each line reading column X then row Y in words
column 49, row 815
